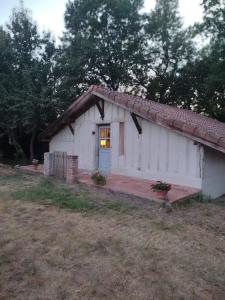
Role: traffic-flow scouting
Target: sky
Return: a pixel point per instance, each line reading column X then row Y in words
column 49, row 13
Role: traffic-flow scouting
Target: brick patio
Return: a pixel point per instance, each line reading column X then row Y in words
column 139, row 187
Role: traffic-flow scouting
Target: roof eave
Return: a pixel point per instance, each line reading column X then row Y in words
column 84, row 103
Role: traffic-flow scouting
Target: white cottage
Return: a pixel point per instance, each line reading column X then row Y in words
column 122, row 134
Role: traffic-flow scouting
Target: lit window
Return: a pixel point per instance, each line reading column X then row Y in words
column 103, row 143
column 104, row 137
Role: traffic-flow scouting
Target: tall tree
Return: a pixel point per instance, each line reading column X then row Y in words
column 102, row 41
column 10, row 117
column 168, row 50
column 204, row 76
column 214, row 56
column 29, row 103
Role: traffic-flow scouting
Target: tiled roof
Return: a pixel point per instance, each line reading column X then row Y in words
column 203, row 129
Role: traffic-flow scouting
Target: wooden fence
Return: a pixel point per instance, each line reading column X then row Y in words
column 60, row 164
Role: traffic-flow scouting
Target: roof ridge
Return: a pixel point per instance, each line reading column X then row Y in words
column 170, row 106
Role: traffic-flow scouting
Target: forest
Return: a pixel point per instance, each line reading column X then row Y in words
column 112, row 43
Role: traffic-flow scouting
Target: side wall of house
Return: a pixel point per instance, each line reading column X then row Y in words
column 62, row 141
column 157, row 154
column 213, row 181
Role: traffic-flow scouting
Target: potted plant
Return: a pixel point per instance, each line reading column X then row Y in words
column 35, row 163
column 98, row 178
column 162, row 188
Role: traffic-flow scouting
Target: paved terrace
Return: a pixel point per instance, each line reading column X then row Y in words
column 139, row 187
column 131, row 186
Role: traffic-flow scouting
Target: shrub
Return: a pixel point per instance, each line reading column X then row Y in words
column 98, row 178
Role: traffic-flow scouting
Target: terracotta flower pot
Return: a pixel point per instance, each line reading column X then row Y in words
column 161, row 189
column 35, row 163
column 161, row 194
column 35, row 166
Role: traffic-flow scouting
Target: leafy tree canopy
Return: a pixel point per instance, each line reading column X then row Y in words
column 113, row 43
column 102, row 41
column 28, row 84
column 169, row 47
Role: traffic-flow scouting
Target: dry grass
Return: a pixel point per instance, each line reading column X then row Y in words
column 49, row 252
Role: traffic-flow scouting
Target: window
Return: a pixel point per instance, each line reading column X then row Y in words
column 121, row 138
column 104, row 137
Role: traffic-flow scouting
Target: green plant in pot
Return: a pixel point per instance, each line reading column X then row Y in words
column 161, row 186
column 35, row 163
column 98, row 178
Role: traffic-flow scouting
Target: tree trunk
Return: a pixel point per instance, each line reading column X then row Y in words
column 20, row 154
column 32, row 140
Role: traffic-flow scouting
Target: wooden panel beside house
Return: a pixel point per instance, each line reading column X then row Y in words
column 143, row 139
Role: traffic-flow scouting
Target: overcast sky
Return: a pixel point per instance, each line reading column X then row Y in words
column 49, row 13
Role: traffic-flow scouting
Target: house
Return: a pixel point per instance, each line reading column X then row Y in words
column 127, row 135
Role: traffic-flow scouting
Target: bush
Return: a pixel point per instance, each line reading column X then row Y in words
column 98, row 178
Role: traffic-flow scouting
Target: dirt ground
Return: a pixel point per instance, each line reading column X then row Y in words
column 47, row 252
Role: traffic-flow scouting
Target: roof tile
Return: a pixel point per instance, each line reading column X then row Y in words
column 188, row 128
column 222, row 142
column 186, row 121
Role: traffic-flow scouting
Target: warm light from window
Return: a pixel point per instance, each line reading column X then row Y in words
column 103, row 143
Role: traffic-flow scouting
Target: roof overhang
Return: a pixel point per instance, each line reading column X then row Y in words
column 95, row 93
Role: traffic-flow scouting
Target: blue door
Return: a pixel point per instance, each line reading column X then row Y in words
column 104, row 149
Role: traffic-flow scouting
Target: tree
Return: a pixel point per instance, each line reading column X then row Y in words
column 102, row 41
column 168, row 49
column 214, row 27
column 29, row 105
column 205, row 74
column 9, row 116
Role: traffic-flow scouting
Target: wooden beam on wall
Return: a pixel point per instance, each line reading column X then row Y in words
column 138, row 126
column 101, row 108
column 71, row 129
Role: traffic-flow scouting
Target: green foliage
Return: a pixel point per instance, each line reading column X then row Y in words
column 102, row 42
column 204, row 76
column 214, row 56
column 162, row 186
column 199, row 198
column 13, row 177
column 46, row 192
column 26, row 80
column 112, row 43
column 98, row 178
column 168, row 49
column 189, row 201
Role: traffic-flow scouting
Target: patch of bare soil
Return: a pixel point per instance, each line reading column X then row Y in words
column 5, row 170
column 52, row 253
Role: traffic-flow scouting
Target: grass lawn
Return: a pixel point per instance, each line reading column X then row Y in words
column 61, row 243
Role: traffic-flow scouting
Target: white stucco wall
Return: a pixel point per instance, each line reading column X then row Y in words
column 213, row 181
column 62, row 141
column 157, row 154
